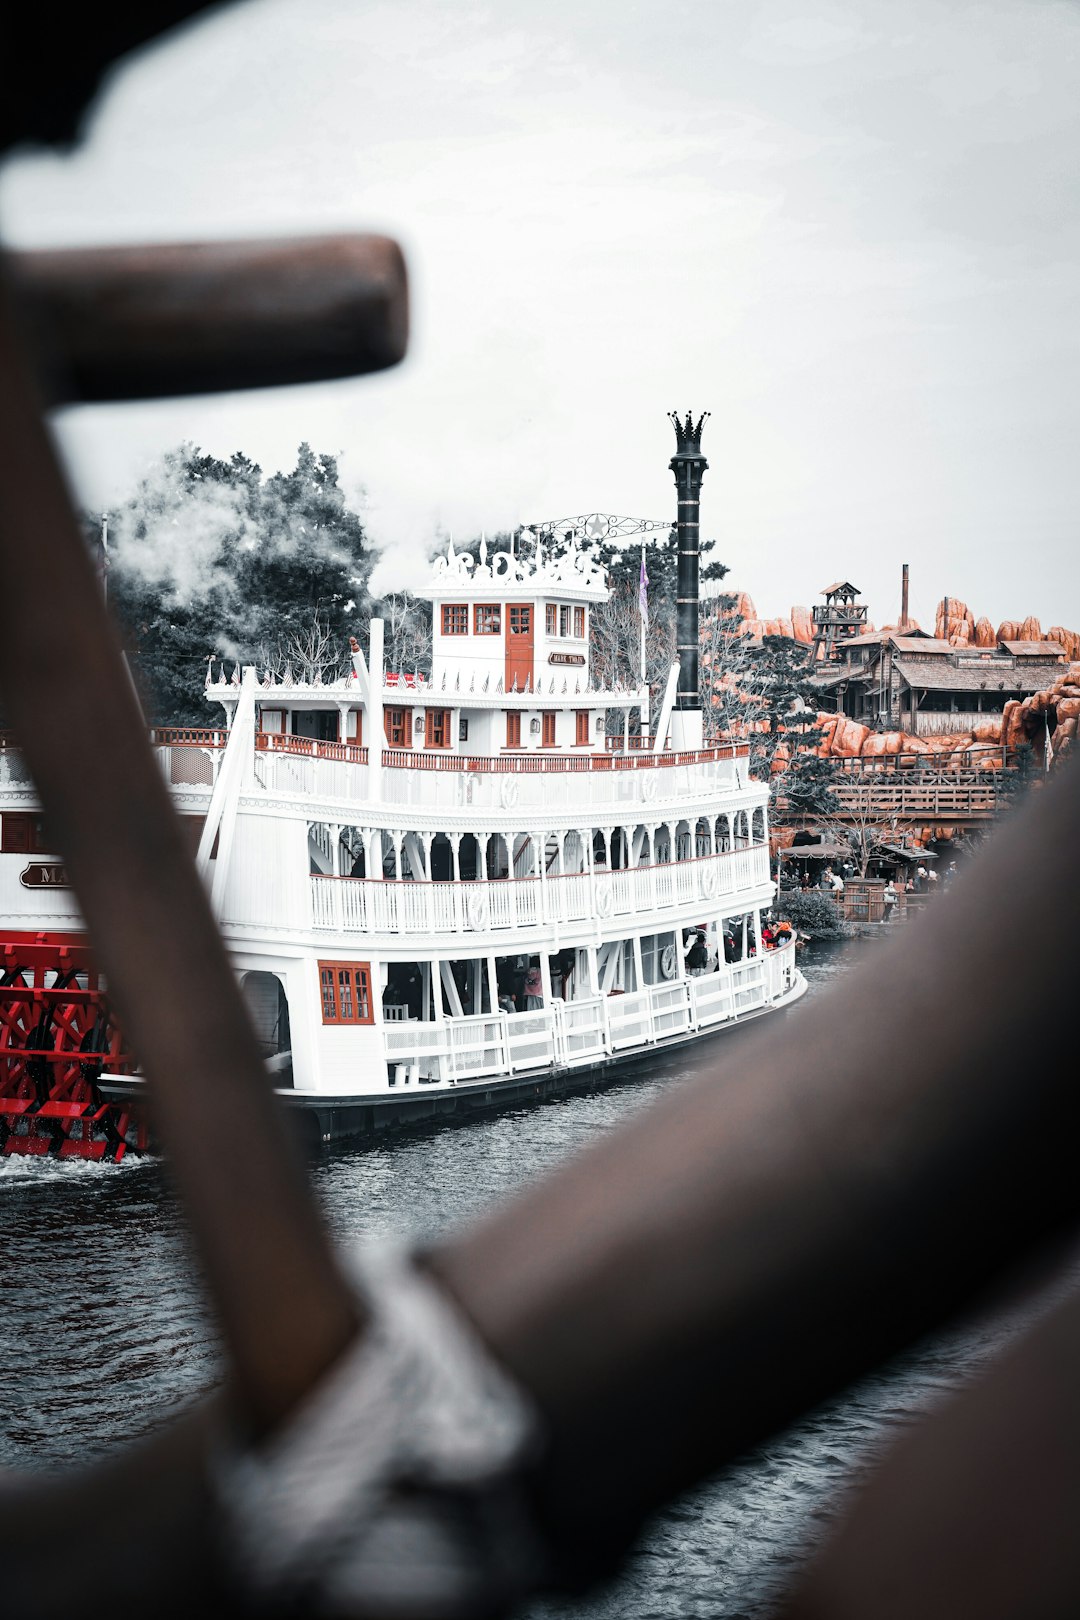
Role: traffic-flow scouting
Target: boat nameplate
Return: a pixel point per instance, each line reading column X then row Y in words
column 45, row 875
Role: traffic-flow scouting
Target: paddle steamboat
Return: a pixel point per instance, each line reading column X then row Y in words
column 445, row 891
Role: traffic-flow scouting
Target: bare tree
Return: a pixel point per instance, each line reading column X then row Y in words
column 408, row 631
column 310, row 654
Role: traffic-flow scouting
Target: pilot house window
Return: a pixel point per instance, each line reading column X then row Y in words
column 455, row 619
column 487, row 619
column 579, row 623
column 346, row 992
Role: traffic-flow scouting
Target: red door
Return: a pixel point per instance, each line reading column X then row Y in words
column 519, row 646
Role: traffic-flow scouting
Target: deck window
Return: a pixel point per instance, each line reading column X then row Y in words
column 455, row 619
column 487, row 619
column 22, row 833
column 581, row 728
column 397, row 724
column 346, row 992
column 513, row 729
column 547, row 740
column 437, row 732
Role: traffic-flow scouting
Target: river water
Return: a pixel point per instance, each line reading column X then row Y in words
column 103, row 1332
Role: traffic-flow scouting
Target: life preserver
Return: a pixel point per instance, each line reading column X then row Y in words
column 477, row 911
column 508, row 792
column 708, row 880
column 603, row 901
column 667, row 961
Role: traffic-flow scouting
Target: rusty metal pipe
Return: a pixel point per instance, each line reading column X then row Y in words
column 113, row 323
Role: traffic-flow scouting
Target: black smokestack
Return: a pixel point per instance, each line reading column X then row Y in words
column 689, row 466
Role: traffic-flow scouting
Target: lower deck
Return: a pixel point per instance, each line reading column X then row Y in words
column 410, row 1101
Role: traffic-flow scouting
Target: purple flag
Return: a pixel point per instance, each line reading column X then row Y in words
column 643, row 591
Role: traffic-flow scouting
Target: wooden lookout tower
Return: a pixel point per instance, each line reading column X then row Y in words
column 840, row 618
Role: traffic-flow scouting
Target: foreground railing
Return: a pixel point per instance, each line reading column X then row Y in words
column 567, row 1034
column 408, row 906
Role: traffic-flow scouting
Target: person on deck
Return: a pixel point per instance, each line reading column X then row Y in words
column 534, row 990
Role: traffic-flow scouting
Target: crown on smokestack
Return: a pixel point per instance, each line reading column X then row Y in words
column 687, row 435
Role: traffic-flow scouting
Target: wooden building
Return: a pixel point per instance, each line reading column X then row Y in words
column 928, row 687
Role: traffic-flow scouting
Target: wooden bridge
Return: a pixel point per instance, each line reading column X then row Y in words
column 905, row 791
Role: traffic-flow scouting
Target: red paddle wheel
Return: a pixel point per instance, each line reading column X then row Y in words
column 56, row 1035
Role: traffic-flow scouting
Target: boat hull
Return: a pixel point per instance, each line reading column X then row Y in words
column 324, row 1119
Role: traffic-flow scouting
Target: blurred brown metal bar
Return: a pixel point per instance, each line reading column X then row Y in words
column 114, row 323
column 832, row 1185
column 284, row 1307
column 976, row 1510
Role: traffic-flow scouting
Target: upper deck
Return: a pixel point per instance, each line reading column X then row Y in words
column 568, row 787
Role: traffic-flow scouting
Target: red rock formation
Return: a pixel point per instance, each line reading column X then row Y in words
column 802, row 625
column 984, row 633
column 960, row 629
column 1069, row 639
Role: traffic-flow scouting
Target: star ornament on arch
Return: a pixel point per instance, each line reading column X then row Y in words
column 596, row 528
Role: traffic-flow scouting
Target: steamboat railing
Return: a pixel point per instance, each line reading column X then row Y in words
column 406, row 906
column 576, row 1033
column 443, row 779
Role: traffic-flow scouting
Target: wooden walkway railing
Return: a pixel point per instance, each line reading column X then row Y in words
column 914, row 797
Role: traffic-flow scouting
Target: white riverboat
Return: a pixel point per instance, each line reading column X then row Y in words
column 440, row 892
column 446, row 889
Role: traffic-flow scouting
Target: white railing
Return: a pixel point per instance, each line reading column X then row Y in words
column 437, row 779
column 679, row 777
column 637, row 781
column 407, row 906
column 575, row 1033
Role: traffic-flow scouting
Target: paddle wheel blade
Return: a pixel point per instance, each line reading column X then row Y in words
column 56, row 1033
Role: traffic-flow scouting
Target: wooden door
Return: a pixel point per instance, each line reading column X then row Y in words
column 519, row 646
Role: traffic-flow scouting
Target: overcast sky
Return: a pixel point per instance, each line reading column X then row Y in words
column 849, row 230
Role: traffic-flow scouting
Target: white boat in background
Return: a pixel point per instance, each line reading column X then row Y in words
column 439, row 893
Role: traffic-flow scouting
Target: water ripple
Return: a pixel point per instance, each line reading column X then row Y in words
column 104, row 1332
